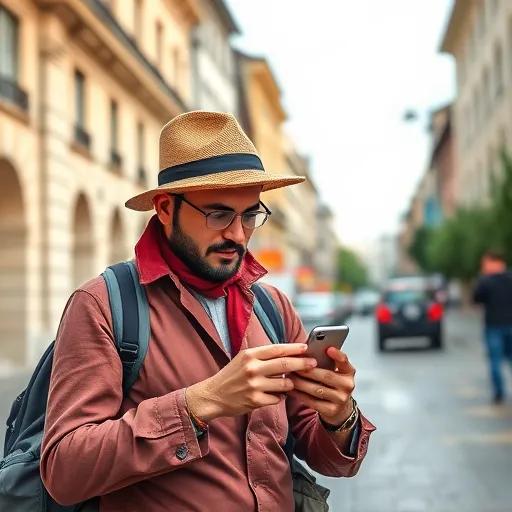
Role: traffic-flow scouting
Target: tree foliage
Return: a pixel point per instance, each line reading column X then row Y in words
column 352, row 271
column 419, row 248
column 455, row 248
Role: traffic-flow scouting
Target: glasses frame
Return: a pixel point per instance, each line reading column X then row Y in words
column 235, row 214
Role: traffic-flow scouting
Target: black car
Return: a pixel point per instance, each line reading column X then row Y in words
column 406, row 311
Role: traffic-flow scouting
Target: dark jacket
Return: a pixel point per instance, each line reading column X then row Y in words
column 494, row 292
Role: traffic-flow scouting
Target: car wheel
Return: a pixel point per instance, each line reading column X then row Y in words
column 382, row 344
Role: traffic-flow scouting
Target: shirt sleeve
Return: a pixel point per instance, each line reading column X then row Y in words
column 87, row 449
column 313, row 444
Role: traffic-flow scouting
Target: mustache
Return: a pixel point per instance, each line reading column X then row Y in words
column 228, row 245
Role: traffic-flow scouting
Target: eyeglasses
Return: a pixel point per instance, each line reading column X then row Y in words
column 220, row 219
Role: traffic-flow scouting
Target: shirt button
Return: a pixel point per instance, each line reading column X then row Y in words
column 181, row 452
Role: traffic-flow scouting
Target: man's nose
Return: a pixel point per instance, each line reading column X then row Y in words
column 235, row 231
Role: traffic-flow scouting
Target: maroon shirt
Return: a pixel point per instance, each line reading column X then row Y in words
column 139, row 452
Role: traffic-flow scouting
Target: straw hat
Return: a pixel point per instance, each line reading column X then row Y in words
column 206, row 150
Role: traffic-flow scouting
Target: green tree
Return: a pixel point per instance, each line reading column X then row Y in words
column 501, row 228
column 418, row 250
column 456, row 247
column 352, row 271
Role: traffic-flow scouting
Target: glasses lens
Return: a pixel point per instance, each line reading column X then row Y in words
column 219, row 220
column 253, row 220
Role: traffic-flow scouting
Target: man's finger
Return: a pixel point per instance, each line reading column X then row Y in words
column 286, row 365
column 316, row 389
column 327, row 377
column 342, row 363
column 267, row 352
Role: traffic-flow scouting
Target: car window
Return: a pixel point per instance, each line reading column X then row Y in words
column 400, row 297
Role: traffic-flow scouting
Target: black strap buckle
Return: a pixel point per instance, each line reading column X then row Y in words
column 129, row 350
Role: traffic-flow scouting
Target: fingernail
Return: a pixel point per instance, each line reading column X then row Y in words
column 312, row 362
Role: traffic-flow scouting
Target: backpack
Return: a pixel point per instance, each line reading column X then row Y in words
column 21, row 487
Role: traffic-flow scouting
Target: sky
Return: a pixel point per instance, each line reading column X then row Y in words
column 348, row 70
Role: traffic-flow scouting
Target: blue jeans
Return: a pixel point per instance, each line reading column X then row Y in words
column 498, row 339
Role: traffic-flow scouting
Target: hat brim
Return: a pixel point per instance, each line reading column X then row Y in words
column 228, row 179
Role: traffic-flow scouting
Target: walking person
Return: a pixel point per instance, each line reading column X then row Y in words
column 494, row 292
column 204, row 425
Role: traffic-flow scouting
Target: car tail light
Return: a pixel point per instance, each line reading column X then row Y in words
column 383, row 314
column 435, row 312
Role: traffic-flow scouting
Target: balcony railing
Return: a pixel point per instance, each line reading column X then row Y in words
column 11, row 92
column 82, row 137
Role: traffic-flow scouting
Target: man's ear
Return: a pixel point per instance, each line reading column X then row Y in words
column 164, row 207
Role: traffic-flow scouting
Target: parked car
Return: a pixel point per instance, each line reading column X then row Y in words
column 365, row 301
column 409, row 309
column 320, row 308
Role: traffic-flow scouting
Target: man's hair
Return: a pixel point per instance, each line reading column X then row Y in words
column 495, row 255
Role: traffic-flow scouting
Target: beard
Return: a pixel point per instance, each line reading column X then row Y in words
column 187, row 250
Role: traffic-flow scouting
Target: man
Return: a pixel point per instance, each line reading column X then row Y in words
column 204, row 425
column 494, row 292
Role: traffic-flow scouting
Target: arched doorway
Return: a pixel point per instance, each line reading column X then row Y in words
column 117, row 239
column 13, row 271
column 83, row 246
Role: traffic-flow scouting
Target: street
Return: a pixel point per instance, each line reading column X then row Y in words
column 439, row 446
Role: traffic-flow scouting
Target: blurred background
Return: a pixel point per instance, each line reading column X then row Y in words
column 400, row 115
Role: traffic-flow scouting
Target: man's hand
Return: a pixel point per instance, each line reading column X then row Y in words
column 328, row 392
column 256, row 377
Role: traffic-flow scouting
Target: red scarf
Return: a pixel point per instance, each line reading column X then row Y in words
column 238, row 307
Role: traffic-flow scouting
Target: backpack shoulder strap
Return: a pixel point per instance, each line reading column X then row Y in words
column 268, row 314
column 270, row 318
column 130, row 318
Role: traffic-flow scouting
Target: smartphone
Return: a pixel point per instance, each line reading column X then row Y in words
column 323, row 337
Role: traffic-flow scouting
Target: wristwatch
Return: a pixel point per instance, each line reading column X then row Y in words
column 347, row 425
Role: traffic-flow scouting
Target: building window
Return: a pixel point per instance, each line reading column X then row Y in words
column 494, row 6
column 113, row 125
column 141, row 171
column 498, row 65
column 486, row 93
column 81, row 136
column 115, row 158
column 159, row 44
column 10, row 90
column 79, row 99
column 481, row 20
column 509, row 39
column 9, row 46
